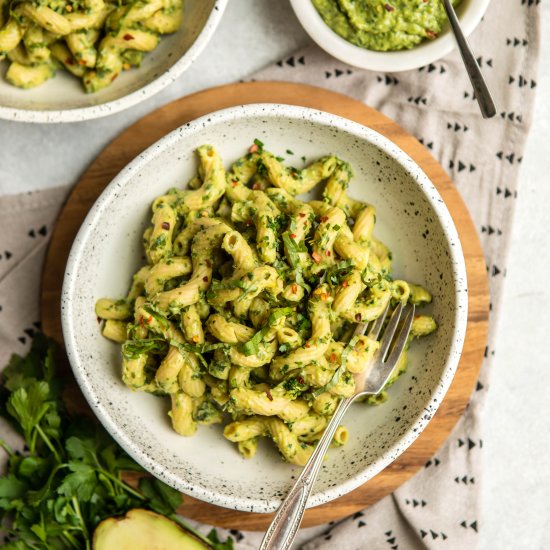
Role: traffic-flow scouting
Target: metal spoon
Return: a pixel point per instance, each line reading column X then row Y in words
column 482, row 93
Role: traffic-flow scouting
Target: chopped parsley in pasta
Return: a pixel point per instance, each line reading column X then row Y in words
column 249, row 299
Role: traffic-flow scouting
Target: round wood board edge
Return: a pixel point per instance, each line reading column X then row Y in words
column 160, row 122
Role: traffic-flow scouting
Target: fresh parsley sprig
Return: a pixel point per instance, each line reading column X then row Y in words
column 69, row 478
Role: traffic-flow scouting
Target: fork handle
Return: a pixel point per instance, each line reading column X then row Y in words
column 284, row 526
column 482, row 93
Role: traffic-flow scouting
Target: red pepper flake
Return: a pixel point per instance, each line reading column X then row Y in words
column 165, row 225
column 307, row 345
column 327, row 253
column 113, row 78
column 431, row 35
column 324, row 296
column 301, row 380
column 234, row 183
column 208, row 262
column 267, row 392
column 253, row 148
column 389, row 7
column 294, row 288
column 324, row 219
column 249, row 222
column 345, row 284
column 333, row 358
column 150, row 320
column 128, row 36
column 293, row 235
column 302, row 215
column 359, row 343
column 256, row 186
column 141, row 321
column 205, row 279
column 358, row 317
column 69, row 61
column 316, row 257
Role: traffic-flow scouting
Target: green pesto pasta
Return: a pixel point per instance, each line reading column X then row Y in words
column 94, row 40
column 244, row 308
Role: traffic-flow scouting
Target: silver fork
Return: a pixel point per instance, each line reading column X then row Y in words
column 285, row 524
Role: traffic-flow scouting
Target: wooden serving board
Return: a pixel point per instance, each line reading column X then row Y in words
column 154, row 126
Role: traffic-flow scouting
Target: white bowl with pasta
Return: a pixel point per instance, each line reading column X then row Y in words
column 411, row 219
column 63, row 98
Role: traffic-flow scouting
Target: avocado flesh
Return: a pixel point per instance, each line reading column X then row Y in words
column 144, row 530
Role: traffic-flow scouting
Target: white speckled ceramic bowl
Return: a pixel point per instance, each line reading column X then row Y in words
column 411, row 218
column 469, row 12
column 62, row 98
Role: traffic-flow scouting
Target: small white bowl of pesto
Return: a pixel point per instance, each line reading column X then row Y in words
column 386, row 35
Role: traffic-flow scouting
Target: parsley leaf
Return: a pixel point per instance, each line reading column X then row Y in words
column 291, row 249
column 55, row 494
column 339, row 371
column 217, row 544
column 253, row 345
column 80, row 483
column 11, row 489
column 162, row 499
column 131, row 349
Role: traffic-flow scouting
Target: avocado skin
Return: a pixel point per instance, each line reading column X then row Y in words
column 144, row 530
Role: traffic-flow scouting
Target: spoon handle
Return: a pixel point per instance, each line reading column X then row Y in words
column 482, row 93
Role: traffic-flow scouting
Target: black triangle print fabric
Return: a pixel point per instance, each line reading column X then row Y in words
column 25, row 225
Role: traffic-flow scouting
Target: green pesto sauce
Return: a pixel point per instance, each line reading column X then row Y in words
column 384, row 25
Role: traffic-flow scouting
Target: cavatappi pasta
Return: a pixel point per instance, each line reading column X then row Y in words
column 249, row 298
column 95, row 40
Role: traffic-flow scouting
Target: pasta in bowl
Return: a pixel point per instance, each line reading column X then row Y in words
column 262, row 330
column 94, row 41
column 240, row 304
column 76, row 60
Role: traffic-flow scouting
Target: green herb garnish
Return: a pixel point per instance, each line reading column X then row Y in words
column 292, row 250
column 253, row 345
column 259, row 144
column 339, row 371
column 131, row 349
column 69, row 478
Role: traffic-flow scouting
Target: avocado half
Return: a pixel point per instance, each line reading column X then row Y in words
column 144, row 530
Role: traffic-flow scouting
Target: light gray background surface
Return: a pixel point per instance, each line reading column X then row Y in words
column 516, row 496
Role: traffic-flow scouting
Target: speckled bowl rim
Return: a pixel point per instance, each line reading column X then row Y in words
column 387, row 62
column 293, row 113
column 111, row 107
